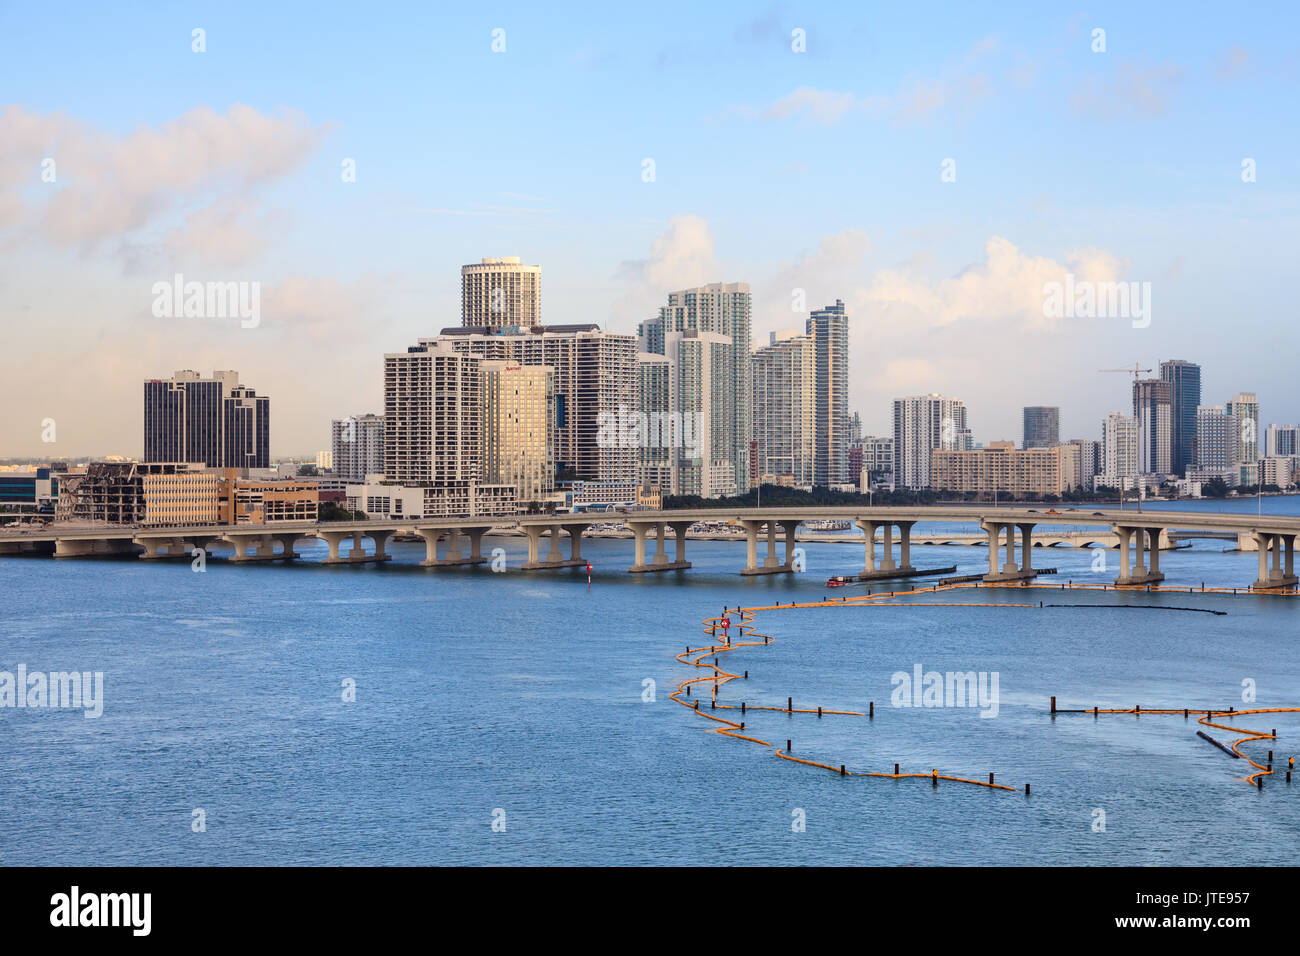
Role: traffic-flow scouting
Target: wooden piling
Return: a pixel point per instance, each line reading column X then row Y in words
column 1053, row 705
column 871, row 710
column 895, row 770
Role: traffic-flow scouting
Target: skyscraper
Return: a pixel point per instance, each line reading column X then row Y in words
column 829, row 330
column 705, row 334
column 786, row 402
column 215, row 422
column 1184, row 380
column 923, row 423
column 1215, row 434
column 1282, row 441
column 517, row 411
column 432, row 414
column 1042, row 426
column 1244, row 408
column 358, row 446
column 1153, row 413
column 1119, row 451
column 595, row 372
column 501, row 293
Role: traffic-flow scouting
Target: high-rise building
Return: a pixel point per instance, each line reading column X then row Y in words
column 1090, row 459
column 705, row 334
column 432, row 414
column 1119, row 444
column 786, row 402
column 215, row 422
column 656, row 458
column 1244, row 408
column 878, row 459
column 1042, row 426
column 594, row 372
column 1152, row 411
column 1282, row 441
column 1184, row 380
column 999, row 466
column 517, row 412
column 923, row 423
column 501, row 293
column 1215, row 438
column 829, row 330
column 358, row 446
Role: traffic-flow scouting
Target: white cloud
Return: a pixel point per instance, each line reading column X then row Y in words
column 110, row 187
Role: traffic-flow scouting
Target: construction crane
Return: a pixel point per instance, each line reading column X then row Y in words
column 1135, row 371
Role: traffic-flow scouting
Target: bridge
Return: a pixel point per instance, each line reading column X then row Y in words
column 1008, row 534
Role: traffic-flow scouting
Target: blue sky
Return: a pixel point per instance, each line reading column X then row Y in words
column 817, row 170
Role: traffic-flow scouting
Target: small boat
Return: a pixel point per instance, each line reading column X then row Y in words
column 838, row 581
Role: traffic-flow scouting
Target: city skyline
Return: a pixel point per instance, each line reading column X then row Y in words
column 799, row 172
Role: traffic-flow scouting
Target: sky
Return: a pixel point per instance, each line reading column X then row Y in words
column 935, row 166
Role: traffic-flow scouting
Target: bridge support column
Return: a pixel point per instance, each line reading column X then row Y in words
column 887, row 552
column 430, row 536
column 1009, row 565
column 555, row 557
column 661, row 556
column 869, row 531
column 1026, row 547
column 358, row 553
column 789, row 527
column 287, row 542
column 905, row 546
column 679, row 553
column 1275, row 571
column 770, row 560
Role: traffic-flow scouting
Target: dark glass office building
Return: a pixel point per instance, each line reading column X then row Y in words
column 1042, row 426
column 215, row 422
column 1184, row 380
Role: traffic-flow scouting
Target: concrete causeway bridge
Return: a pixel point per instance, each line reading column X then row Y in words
column 888, row 532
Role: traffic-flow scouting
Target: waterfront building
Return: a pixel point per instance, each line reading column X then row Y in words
column 1244, row 445
column 923, row 423
column 501, row 293
column 251, row 501
column 656, row 456
column 594, row 372
column 1042, row 426
column 828, row 328
column 1184, row 380
column 109, row 492
column 786, row 402
column 517, row 410
column 999, row 466
column 1216, row 432
column 1282, row 441
column 1152, row 411
column 34, row 490
column 357, row 443
column 215, row 422
column 182, row 498
column 705, row 334
column 1119, row 466
column 1090, row 460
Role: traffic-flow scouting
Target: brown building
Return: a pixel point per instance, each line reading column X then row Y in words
column 1001, row 467
column 248, row 501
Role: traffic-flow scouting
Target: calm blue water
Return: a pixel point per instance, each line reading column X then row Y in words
column 523, row 691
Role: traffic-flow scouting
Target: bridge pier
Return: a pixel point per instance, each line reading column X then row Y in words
column 455, row 557
column 660, row 562
column 153, row 548
column 886, row 568
column 1143, row 543
column 1009, row 570
column 555, row 559
column 1275, row 572
column 770, row 565
column 358, row 554
column 93, row 547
